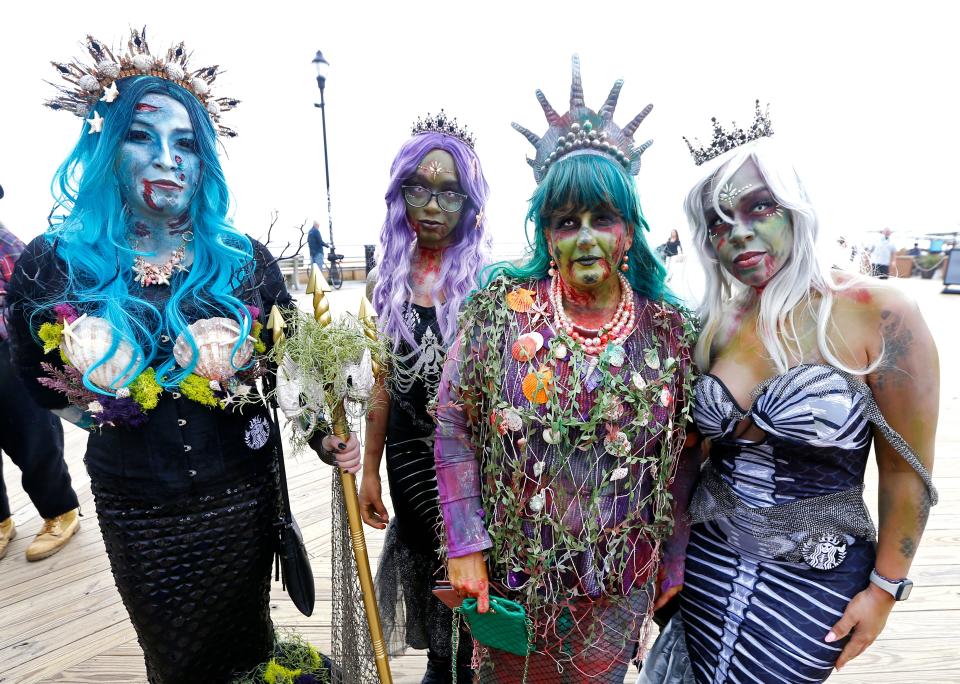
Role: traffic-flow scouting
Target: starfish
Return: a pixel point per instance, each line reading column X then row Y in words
column 111, row 93
column 68, row 329
column 96, row 123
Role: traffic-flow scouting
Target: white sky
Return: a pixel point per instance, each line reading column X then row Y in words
column 865, row 94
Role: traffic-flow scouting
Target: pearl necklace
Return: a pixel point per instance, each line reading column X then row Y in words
column 147, row 274
column 594, row 340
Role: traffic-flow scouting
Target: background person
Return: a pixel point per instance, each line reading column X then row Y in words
column 33, row 439
column 882, row 254
column 316, row 245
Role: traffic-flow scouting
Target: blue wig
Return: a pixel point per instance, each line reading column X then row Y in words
column 589, row 181
column 91, row 238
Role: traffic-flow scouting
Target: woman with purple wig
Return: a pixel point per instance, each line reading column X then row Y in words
column 432, row 246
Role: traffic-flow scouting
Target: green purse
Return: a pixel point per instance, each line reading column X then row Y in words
column 504, row 627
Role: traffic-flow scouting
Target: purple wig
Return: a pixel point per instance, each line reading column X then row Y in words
column 463, row 259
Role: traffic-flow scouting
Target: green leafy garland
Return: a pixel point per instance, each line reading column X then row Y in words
column 490, row 324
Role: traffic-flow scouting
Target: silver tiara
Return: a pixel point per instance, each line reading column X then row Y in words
column 441, row 123
column 726, row 140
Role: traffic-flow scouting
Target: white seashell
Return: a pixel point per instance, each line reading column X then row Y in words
column 123, row 393
column 538, row 468
column 536, row 337
column 536, row 502
column 551, row 437
column 215, row 339
column 142, row 62
column 214, row 385
column 616, row 356
column 89, row 83
column 94, row 407
column 173, row 71
column 86, row 341
column 199, row 86
column 560, row 351
column 108, row 68
column 213, row 107
column 358, row 379
column 638, row 380
column 618, row 474
column 512, row 420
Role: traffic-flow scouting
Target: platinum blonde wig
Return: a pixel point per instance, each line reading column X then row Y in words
column 791, row 290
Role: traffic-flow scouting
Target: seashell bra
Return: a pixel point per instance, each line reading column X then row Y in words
column 813, row 404
column 88, row 339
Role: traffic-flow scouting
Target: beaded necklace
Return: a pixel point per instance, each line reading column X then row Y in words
column 595, row 340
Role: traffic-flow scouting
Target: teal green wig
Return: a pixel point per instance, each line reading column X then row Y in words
column 89, row 231
column 591, row 181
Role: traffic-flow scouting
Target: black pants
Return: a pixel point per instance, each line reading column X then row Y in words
column 33, row 439
column 881, row 270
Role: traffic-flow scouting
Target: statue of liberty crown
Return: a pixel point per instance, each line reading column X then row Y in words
column 583, row 131
column 441, row 123
column 726, row 140
column 88, row 84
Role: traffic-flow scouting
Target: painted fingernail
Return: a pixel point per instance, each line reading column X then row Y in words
column 341, row 445
column 830, row 638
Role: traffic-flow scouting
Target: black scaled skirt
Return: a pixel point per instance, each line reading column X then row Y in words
column 194, row 574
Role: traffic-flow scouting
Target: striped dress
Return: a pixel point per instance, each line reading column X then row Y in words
column 749, row 617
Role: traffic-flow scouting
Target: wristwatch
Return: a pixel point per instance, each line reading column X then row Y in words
column 898, row 589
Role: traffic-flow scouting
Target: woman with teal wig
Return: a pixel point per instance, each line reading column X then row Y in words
column 562, row 418
column 155, row 301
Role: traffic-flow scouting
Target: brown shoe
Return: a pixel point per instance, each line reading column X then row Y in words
column 54, row 535
column 8, row 532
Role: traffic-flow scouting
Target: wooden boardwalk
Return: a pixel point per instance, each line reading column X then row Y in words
column 61, row 619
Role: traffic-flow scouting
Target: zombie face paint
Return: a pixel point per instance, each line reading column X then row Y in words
column 587, row 245
column 753, row 237
column 157, row 165
column 436, row 172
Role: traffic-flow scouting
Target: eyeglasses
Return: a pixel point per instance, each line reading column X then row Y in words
column 419, row 196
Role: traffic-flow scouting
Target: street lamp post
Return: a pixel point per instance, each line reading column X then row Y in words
column 323, row 66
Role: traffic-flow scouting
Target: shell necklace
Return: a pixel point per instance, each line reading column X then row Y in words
column 594, row 340
column 147, row 274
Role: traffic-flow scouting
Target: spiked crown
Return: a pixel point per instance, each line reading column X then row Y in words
column 87, row 84
column 584, row 131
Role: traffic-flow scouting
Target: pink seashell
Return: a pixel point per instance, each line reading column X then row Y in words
column 215, row 339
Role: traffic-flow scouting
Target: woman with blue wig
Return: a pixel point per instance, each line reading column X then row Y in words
column 433, row 244
column 155, row 301
column 561, row 420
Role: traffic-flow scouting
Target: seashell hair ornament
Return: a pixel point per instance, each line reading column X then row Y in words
column 87, row 84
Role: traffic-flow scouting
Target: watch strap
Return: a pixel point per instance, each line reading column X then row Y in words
column 899, row 589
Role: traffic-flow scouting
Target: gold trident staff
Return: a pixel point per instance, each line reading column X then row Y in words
column 318, row 287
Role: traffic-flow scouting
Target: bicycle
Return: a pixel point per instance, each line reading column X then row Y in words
column 334, row 271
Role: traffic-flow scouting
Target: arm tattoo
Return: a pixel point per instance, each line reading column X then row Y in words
column 897, row 343
column 908, row 547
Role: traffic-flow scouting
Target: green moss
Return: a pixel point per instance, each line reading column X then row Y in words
column 145, row 390
column 50, row 335
column 198, row 389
